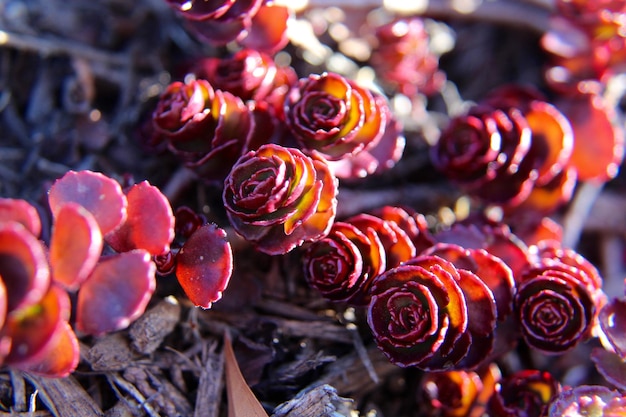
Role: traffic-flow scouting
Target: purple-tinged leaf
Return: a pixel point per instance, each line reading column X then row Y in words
column 149, row 224
column 610, row 366
column 22, row 212
column 23, row 266
column 116, row 293
column 75, row 246
column 613, row 322
column 588, row 400
column 100, row 195
column 204, row 265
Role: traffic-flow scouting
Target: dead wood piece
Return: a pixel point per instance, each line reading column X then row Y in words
column 121, row 409
column 19, row 391
column 110, row 353
column 42, row 413
column 164, row 397
column 314, row 330
column 210, row 384
column 64, row 397
column 148, row 332
column 320, row 401
column 350, row 376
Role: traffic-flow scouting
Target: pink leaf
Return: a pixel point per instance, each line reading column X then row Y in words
column 99, row 194
column 204, row 265
column 150, row 222
column 116, row 293
column 23, row 266
column 610, row 366
column 22, row 212
column 75, row 246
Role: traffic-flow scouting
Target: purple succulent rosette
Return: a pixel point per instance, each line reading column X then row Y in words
column 554, row 306
column 348, row 125
column 208, row 129
column 278, row 198
column 418, row 315
column 588, row 400
column 342, row 265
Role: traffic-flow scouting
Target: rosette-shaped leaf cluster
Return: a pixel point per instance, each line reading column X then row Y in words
column 256, row 24
column 404, row 59
column 511, row 149
column 35, row 335
column 557, row 301
column 526, row 393
column 343, row 264
column 278, row 198
column 431, row 314
column 248, row 74
column 587, row 400
column 350, row 126
column 208, row 129
column 587, row 41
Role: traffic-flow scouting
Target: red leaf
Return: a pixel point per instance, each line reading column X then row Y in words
column 61, row 355
column 610, row 366
column 613, row 322
column 116, row 293
column 204, row 265
column 268, row 31
column 33, row 328
column 22, row 212
column 75, row 246
column 150, row 222
column 23, row 266
column 99, row 194
column 598, row 143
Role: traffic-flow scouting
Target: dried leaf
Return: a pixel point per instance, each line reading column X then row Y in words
column 241, row 399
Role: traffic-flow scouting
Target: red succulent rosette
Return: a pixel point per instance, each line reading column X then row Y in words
column 208, row 129
column 512, row 148
column 523, row 394
column 249, row 74
column 418, row 314
column 555, row 306
column 278, row 198
column 258, row 24
column 413, row 224
column 334, row 117
column 342, row 265
column 403, row 58
column 451, row 393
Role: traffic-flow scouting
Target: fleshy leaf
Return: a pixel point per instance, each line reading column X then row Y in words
column 613, row 321
column 241, row 399
column 100, row 195
column 33, row 328
column 22, row 212
column 610, row 366
column 268, row 31
column 598, row 144
column 116, row 293
column 23, row 266
column 75, row 246
column 61, row 358
column 149, row 224
column 204, row 265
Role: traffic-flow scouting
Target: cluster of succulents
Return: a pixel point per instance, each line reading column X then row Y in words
column 99, row 264
column 447, row 301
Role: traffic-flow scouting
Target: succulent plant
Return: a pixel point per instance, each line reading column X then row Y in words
column 208, row 129
column 511, row 149
column 278, row 198
column 348, row 125
column 587, row 400
column 451, row 393
column 418, row 314
column 258, row 24
column 526, row 393
column 342, row 265
column 403, row 57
